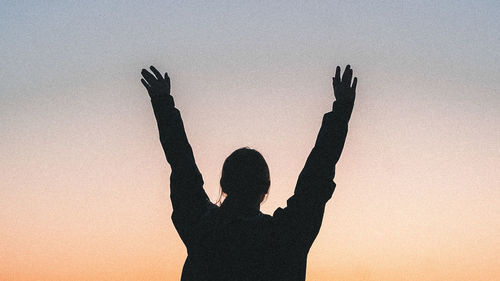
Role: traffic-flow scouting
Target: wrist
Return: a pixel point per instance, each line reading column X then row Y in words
column 165, row 100
column 342, row 109
column 163, row 107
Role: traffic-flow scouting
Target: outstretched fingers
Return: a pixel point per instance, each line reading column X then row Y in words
column 342, row 87
column 346, row 78
column 156, row 83
column 149, row 77
column 336, row 78
column 167, row 79
column 156, row 73
column 146, row 85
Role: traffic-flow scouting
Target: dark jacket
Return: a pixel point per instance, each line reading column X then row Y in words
column 248, row 245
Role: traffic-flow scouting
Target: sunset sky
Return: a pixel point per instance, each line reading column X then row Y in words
column 85, row 186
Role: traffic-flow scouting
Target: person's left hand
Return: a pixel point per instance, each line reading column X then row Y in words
column 342, row 88
column 157, row 85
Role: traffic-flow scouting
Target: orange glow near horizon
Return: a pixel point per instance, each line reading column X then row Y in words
column 85, row 185
column 104, row 213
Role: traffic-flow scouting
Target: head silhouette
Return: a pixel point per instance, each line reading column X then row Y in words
column 245, row 176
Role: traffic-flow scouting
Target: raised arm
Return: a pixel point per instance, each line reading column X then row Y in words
column 189, row 200
column 320, row 165
column 304, row 212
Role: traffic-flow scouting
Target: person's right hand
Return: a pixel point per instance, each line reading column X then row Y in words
column 342, row 88
column 157, row 85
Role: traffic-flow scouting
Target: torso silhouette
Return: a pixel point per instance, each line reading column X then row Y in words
column 228, row 243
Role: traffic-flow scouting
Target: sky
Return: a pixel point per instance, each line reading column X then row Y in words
column 85, row 186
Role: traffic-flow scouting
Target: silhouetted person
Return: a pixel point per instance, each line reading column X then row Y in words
column 236, row 241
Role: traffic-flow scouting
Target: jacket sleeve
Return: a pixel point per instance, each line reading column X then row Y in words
column 189, row 200
column 301, row 220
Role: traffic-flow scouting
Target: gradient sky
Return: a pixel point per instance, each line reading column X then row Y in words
column 84, row 192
